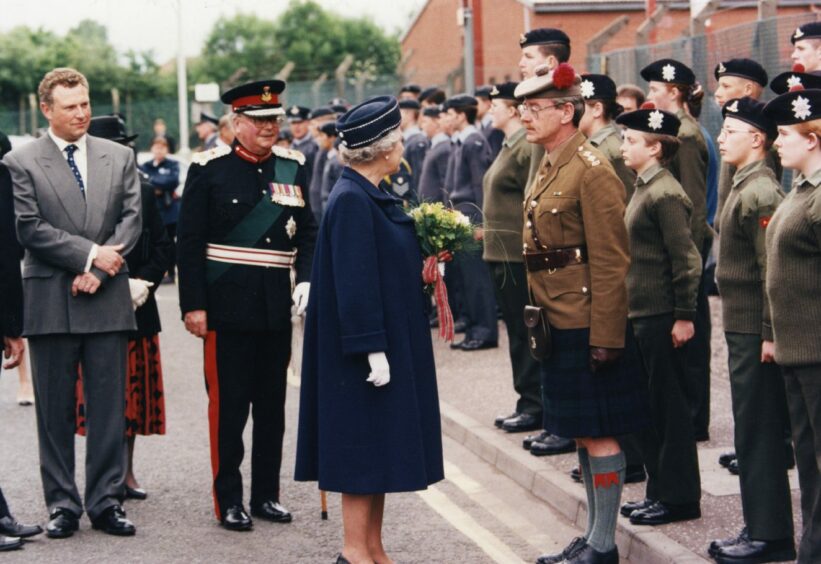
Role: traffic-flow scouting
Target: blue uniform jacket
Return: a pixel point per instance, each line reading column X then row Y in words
column 165, row 178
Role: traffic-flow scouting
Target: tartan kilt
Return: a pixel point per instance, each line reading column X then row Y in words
column 579, row 404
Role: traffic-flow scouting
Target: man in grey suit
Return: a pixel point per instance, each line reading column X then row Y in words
column 77, row 201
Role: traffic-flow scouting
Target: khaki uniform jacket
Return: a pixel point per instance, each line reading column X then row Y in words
column 576, row 200
column 689, row 166
column 608, row 141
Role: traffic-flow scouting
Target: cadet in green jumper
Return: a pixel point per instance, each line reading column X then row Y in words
column 793, row 288
column 662, row 284
column 759, row 401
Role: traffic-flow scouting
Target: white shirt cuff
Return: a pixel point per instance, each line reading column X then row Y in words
column 91, row 256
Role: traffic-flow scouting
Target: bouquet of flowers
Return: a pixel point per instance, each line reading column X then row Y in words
column 441, row 232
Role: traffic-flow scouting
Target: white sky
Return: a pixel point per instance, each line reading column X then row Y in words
column 152, row 25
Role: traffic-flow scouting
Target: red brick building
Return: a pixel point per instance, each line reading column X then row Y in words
column 433, row 43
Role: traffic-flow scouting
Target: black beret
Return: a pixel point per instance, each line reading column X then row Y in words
column 794, row 107
column 670, row 71
column 409, row 105
column 321, row 112
column 650, row 120
column 504, row 91
column 258, row 99
column 544, row 36
column 368, row 122
column 750, row 111
column 795, row 78
column 206, row 118
column 413, row 88
column 742, row 68
column 426, row 93
column 598, row 87
column 483, row 92
column 328, row 128
column 461, row 101
column 298, row 113
column 432, row 111
column 810, row 30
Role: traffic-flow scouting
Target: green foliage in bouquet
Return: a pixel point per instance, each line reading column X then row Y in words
column 442, row 229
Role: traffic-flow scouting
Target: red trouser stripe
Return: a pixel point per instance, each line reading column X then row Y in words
column 212, row 382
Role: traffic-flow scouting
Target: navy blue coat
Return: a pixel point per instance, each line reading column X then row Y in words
column 367, row 296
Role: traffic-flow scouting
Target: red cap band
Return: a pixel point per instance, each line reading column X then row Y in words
column 271, row 99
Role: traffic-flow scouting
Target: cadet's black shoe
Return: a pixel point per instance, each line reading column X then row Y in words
column 571, row 549
column 112, row 521
column 477, row 345
column 10, row 543
column 661, row 513
column 457, row 345
column 750, row 551
column 62, row 524
column 135, row 493
column 552, row 445
column 722, row 543
column 522, row 422
column 628, row 508
column 633, row 474
column 341, row 560
column 726, row 457
column 530, row 439
column 236, row 519
column 11, row 528
column 271, row 511
column 732, row 467
column 501, row 419
column 589, row 555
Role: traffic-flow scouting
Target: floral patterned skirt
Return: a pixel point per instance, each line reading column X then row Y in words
column 145, row 400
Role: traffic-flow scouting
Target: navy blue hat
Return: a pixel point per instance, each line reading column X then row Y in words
column 461, row 101
column 810, row 30
column 321, row 112
column 368, row 122
column 432, row 111
column 749, row 111
column 742, row 68
column 544, row 36
column 328, row 128
column 409, row 105
column 650, row 120
column 206, row 118
column 796, row 78
column 412, row 88
column 504, row 91
column 670, row 71
column 425, row 94
column 256, row 99
column 483, row 92
column 597, row 87
column 796, row 106
column 298, row 113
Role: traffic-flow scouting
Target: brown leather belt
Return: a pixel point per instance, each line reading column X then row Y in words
column 553, row 259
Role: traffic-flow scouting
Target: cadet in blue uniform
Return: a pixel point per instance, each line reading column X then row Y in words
column 244, row 225
column 494, row 136
column 416, row 143
column 302, row 141
column 332, row 168
column 435, row 166
column 318, row 116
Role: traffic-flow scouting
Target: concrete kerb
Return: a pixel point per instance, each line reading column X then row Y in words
column 637, row 544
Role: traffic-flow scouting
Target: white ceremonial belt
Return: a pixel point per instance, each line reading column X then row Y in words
column 250, row 257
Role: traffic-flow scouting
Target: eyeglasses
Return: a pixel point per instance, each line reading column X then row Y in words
column 260, row 122
column 726, row 131
column 534, row 110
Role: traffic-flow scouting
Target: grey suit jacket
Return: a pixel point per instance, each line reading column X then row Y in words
column 57, row 228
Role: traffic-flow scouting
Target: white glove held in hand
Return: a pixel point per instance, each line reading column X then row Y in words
column 139, row 291
column 300, row 298
column 380, row 370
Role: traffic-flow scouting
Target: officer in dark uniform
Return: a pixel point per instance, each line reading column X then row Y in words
column 303, row 141
column 416, row 143
column 435, row 165
column 206, row 130
column 244, row 226
column 399, row 184
column 333, row 168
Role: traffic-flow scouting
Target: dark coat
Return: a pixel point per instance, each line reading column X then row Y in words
column 308, row 147
column 11, row 284
column 367, row 296
column 165, row 177
column 315, row 185
column 433, row 179
column 151, row 257
column 416, row 146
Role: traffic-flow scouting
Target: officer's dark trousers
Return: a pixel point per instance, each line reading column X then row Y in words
column 697, row 384
column 668, row 446
column 4, row 508
column 803, row 386
column 477, row 295
column 242, row 371
column 510, row 284
column 453, row 281
column 760, row 413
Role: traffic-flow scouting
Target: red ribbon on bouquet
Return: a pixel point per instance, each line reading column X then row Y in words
column 431, row 275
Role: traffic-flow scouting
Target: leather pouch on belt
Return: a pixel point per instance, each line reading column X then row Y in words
column 538, row 332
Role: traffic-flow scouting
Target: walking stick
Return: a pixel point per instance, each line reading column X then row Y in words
column 323, row 500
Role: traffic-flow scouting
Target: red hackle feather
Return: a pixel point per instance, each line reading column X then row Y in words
column 796, row 88
column 798, row 67
column 563, row 76
column 647, row 106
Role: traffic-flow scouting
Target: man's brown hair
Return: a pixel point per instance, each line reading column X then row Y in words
column 62, row 76
column 669, row 146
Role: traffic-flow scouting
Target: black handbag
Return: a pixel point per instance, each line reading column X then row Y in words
column 538, row 332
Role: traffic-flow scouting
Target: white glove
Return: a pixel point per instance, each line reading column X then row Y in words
column 380, row 370
column 300, row 298
column 441, row 267
column 139, row 291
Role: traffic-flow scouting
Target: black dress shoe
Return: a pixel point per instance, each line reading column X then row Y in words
column 552, row 445
column 341, row 560
column 726, row 457
column 477, row 345
column 501, row 419
column 750, row 551
column 62, row 524
column 457, row 345
column 135, row 493
column 522, row 422
column 11, row 528
column 721, row 543
column 589, row 555
column 732, row 467
column 236, row 519
column 530, row 439
column 460, row 326
column 628, row 508
column 112, row 521
column 661, row 513
column 271, row 511
column 571, row 549
column 633, row 474
column 10, row 543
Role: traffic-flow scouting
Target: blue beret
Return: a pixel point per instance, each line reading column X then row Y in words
column 797, row 106
column 597, row 87
column 749, row 111
column 483, row 92
column 670, row 71
column 742, row 68
column 412, row 88
column 321, row 112
column 409, row 105
column 650, row 120
column 328, row 128
column 368, row 122
column 432, row 111
column 461, row 101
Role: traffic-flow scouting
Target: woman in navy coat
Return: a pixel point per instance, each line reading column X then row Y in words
column 369, row 408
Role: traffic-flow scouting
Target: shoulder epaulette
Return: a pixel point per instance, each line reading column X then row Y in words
column 588, row 156
column 203, row 157
column 292, row 154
